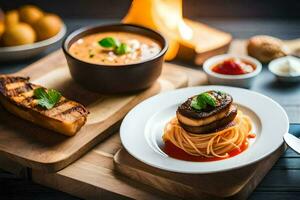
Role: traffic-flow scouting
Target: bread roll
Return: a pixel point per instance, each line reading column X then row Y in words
column 266, row 48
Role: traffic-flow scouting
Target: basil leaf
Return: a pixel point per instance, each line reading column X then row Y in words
column 45, row 104
column 198, row 105
column 207, row 98
column 108, row 42
column 40, row 93
column 47, row 99
column 194, row 104
column 122, row 49
column 54, row 96
column 201, row 101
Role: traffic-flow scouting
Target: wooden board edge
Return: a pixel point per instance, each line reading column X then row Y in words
column 245, row 192
column 14, row 168
column 202, row 57
column 260, row 169
column 151, row 179
column 13, row 161
column 188, row 55
column 74, row 187
column 89, row 188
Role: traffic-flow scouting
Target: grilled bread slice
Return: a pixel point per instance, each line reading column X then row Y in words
column 17, row 96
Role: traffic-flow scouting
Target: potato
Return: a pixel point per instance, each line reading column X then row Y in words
column 19, row 34
column 30, row 14
column 11, row 18
column 47, row 26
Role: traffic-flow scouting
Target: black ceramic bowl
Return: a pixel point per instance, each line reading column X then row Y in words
column 115, row 79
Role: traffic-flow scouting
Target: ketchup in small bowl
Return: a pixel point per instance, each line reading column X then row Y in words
column 232, row 70
column 233, row 66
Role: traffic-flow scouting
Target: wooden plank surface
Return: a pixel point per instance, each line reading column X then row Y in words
column 45, row 150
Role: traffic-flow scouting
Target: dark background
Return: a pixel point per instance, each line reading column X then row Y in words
column 282, row 9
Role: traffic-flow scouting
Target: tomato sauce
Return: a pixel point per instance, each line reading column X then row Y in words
column 175, row 152
column 233, row 67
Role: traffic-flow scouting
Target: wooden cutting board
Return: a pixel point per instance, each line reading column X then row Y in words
column 45, row 150
column 207, row 42
column 234, row 184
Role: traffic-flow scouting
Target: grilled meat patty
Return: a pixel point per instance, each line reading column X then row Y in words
column 209, row 118
column 17, row 96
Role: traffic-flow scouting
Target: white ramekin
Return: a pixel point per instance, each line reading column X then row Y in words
column 244, row 80
column 274, row 66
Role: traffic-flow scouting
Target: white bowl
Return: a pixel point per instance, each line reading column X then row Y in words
column 244, row 80
column 274, row 69
column 30, row 50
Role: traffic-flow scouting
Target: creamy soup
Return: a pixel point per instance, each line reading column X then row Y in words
column 140, row 48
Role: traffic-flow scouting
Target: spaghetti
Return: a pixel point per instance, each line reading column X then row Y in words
column 218, row 144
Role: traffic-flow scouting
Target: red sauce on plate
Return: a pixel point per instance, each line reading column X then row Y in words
column 233, row 67
column 175, row 152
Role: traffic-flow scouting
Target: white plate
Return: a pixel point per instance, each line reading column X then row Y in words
column 30, row 50
column 142, row 129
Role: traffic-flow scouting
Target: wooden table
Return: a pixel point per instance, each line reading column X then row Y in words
column 283, row 181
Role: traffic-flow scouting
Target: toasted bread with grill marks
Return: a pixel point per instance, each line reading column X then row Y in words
column 17, row 96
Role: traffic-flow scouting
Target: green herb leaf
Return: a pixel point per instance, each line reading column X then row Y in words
column 201, row 101
column 40, row 93
column 108, row 42
column 207, row 98
column 47, row 99
column 122, row 49
column 196, row 105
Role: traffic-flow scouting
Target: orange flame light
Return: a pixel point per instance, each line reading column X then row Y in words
column 164, row 16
